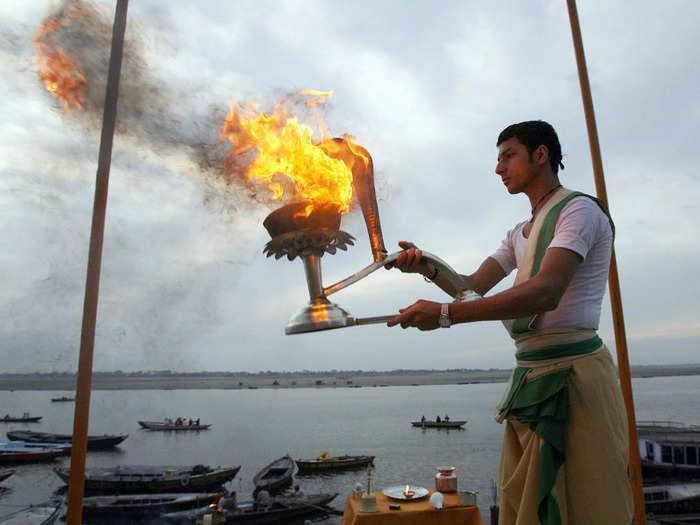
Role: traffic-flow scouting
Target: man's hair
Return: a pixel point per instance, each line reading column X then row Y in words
column 533, row 134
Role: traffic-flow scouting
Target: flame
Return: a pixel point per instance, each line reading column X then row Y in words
column 58, row 71
column 287, row 159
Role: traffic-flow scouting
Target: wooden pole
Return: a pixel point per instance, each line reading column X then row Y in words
column 613, row 279
column 92, row 284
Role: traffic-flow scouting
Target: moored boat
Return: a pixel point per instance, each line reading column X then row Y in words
column 280, row 509
column 64, row 448
column 144, row 479
column 428, row 423
column 27, row 455
column 93, row 442
column 24, row 418
column 132, row 508
column 42, row 514
column 4, row 474
column 331, row 463
column 160, row 425
column 276, row 475
column 672, row 498
column 669, row 451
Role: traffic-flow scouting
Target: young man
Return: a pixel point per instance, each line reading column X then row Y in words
column 565, row 450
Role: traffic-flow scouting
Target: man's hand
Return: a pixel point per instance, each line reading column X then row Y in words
column 424, row 315
column 410, row 260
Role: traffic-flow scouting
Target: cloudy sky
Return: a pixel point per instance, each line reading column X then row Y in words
column 425, row 86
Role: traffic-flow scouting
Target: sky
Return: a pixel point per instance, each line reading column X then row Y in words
column 426, row 87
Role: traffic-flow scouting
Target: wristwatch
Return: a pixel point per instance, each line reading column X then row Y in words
column 445, row 321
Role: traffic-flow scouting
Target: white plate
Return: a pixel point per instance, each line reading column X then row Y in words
column 398, row 493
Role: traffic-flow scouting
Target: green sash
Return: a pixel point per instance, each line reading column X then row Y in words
column 540, row 237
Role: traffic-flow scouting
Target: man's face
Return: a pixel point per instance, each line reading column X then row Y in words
column 515, row 166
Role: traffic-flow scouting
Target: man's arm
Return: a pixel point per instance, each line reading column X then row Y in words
column 481, row 281
column 539, row 294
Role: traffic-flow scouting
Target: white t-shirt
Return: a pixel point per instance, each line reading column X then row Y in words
column 583, row 228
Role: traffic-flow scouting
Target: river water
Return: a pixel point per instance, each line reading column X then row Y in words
column 252, row 427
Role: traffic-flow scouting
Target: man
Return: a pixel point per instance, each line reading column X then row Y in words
column 565, row 450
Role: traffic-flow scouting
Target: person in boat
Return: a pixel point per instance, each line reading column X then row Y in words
column 422, row 419
column 189, row 423
column 197, row 422
column 446, row 419
column 437, row 419
column 178, row 421
column 562, row 254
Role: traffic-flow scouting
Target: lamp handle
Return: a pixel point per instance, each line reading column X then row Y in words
column 444, row 269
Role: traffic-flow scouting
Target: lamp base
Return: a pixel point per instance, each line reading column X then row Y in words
column 369, row 503
column 319, row 314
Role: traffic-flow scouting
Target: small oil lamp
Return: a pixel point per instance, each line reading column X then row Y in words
column 408, row 493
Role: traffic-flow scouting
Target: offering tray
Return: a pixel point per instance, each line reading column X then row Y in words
column 398, row 493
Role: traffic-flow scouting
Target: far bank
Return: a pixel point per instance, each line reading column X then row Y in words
column 330, row 379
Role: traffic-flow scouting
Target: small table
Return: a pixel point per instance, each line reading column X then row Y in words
column 412, row 512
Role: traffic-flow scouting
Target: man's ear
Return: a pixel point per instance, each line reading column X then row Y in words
column 542, row 154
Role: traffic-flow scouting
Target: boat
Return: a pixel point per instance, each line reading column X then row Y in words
column 161, row 425
column 429, row 423
column 669, row 451
column 93, row 442
column 280, row 509
column 28, row 455
column 276, row 475
column 62, row 399
column 24, row 418
column 147, row 479
column 135, row 507
column 329, row 463
column 42, row 514
column 64, row 448
column 672, row 498
column 4, row 474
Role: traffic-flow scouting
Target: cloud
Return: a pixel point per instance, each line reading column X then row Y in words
column 427, row 88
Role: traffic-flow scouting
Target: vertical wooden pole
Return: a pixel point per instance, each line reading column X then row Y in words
column 613, row 279
column 92, row 284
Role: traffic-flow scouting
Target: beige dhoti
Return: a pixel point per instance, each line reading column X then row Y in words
column 592, row 485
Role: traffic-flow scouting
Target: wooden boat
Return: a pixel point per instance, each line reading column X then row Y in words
column 28, row 455
column 146, row 479
column 160, row 425
column 672, row 498
column 4, row 474
column 428, row 423
column 42, row 514
column 281, row 509
column 64, row 448
column 133, row 508
column 25, row 418
column 93, row 442
column 276, row 475
column 332, row 463
column 62, row 399
column 669, row 451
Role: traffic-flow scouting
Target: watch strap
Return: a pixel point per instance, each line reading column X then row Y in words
column 445, row 321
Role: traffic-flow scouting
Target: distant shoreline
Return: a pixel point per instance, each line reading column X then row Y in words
column 279, row 380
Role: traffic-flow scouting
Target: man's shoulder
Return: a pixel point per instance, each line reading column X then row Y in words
column 586, row 210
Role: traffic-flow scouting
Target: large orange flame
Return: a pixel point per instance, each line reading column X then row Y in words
column 58, row 71
column 293, row 166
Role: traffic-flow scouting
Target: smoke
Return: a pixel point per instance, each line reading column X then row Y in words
column 157, row 115
column 152, row 114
